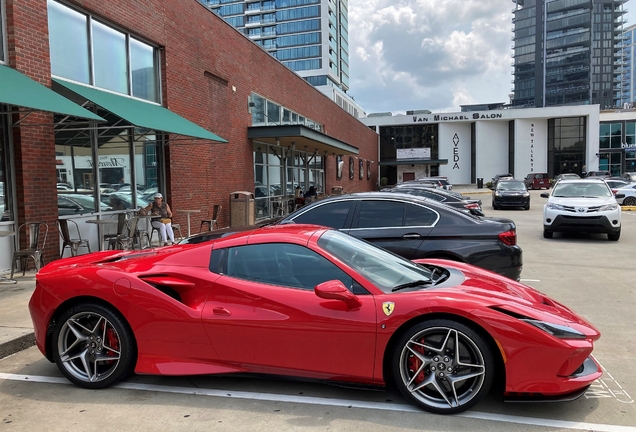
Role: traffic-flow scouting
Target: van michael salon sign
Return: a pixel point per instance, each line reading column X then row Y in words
column 437, row 118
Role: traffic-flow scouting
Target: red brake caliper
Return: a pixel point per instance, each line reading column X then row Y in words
column 113, row 341
column 415, row 363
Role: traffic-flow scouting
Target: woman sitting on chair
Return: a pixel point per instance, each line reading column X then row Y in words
column 164, row 224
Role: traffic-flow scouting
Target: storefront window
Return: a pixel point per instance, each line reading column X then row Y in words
column 630, row 133
column 610, row 135
column 630, row 161
column 124, row 176
column 5, row 197
column 268, row 113
column 278, row 171
column 68, row 40
column 109, row 57
column 104, row 64
column 144, row 79
column 2, row 30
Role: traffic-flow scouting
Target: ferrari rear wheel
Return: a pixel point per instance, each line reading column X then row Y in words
column 93, row 346
column 443, row 366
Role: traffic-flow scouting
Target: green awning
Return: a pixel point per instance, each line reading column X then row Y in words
column 141, row 114
column 21, row 91
column 301, row 137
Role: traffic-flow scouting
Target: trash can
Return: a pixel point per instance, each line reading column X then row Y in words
column 241, row 208
column 480, row 183
column 336, row 190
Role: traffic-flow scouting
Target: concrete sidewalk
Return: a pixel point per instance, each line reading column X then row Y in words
column 16, row 328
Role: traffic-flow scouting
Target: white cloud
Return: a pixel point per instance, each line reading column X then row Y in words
column 425, row 54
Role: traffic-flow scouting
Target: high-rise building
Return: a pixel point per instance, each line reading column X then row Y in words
column 628, row 83
column 308, row 36
column 567, row 52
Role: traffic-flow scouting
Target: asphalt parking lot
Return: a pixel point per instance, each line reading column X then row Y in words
column 588, row 273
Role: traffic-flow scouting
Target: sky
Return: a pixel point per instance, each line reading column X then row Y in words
column 431, row 54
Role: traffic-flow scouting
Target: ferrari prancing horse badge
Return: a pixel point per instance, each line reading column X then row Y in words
column 387, row 308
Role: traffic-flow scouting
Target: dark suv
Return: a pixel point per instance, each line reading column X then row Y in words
column 415, row 227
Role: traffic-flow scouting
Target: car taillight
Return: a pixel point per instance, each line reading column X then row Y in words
column 614, row 191
column 509, row 237
column 473, row 206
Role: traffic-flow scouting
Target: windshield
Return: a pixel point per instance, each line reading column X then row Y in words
column 511, row 186
column 581, row 190
column 384, row 269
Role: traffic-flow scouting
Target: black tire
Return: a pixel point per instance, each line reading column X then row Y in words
column 547, row 234
column 629, row 201
column 449, row 345
column 527, row 207
column 494, row 207
column 614, row 236
column 93, row 322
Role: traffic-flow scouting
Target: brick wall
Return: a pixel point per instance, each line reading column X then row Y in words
column 203, row 58
column 33, row 144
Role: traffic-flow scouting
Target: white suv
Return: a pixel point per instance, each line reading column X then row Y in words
column 581, row 205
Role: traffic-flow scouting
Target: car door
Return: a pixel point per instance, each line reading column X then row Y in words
column 394, row 225
column 262, row 314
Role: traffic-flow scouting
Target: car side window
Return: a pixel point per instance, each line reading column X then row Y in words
column 419, row 216
column 377, row 214
column 333, row 215
column 284, row 264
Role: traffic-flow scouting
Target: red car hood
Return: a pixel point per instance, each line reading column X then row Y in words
column 504, row 294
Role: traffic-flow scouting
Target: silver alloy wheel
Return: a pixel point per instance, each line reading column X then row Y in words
column 442, row 367
column 89, row 347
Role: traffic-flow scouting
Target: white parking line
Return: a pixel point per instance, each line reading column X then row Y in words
column 529, row 280
column 344, row 403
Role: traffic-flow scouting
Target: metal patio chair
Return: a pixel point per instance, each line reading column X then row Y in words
column 70, row 242
column 35, row 246
column 212, row 222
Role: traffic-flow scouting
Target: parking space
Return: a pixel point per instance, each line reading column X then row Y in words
column 588, row 273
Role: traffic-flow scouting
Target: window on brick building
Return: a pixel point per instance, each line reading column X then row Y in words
column 6, row 213
column 92, row 52
column 2, row 33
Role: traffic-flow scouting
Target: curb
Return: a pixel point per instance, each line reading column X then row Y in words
column 628, row 208
column 17, row 345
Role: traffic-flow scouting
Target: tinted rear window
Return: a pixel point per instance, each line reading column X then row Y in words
column 333, row 215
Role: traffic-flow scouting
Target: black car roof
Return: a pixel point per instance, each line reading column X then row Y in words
column 394, row 196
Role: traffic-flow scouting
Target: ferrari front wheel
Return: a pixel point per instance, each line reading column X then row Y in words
column 93, row 346
column 443, row 366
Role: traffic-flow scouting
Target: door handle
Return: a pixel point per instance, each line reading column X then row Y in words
column 411, row 236
column 221, row 311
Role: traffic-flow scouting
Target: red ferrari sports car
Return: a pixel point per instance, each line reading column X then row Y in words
column 307, row 301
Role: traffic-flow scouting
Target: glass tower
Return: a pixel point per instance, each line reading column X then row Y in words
column 567, row 52
column 628, row 84
column 308, row 36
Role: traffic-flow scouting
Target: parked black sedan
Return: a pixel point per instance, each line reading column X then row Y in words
column 510, row 193
column 413, row 228
column 468, row 205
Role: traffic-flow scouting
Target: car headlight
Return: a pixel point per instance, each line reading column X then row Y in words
column 553, row 206
column 526, row 194
column 556, row 330
column 608, row 207
column 497, row 194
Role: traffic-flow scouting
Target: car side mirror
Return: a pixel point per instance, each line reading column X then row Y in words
column 619, row 196
column 545, row 195
column 335, row 290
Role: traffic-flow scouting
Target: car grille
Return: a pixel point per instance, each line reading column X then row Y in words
column 588, row 221
column 588, row 209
